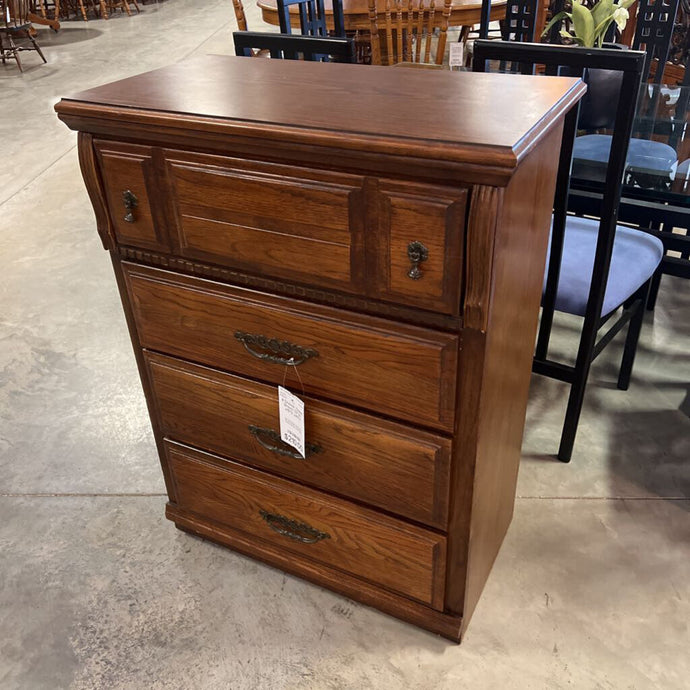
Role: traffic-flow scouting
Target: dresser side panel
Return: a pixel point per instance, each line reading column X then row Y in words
column 518, row 267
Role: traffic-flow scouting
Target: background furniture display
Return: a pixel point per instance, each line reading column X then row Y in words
column 15, row 31
column 357, row 16
column 388, row 270
column 595, row 267
column 409, row 40
column 312, row 17
column 311, row 48
column 652, row 200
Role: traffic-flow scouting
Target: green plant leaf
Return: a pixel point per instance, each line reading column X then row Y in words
column 583, row 24
column 602, row 11
column 554, row 20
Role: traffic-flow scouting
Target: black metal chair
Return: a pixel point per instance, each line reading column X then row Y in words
column 594, row 267
column 653, row 33
column 519, row 24
column 16, row 31
column 311, row 48
column 312, row 17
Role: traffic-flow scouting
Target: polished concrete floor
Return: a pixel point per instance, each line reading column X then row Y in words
column 97, row 590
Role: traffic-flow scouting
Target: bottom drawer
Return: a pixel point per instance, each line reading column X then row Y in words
column 391, row 553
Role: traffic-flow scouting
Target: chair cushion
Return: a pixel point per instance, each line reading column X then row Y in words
column 636, row 254
column 653, row 157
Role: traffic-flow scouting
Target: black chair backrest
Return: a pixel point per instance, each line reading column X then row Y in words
column 312, row 48
column 519, row 24
column 312, row 17
column 557, row 60
column 521, row 21
column 653, row 33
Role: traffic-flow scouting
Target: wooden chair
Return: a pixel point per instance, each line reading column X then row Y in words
column 16, row 31
column 312, row 17
column 289, row 47
column 239, row 15
column 409, row 32
column 122, row 5
column 595, row 268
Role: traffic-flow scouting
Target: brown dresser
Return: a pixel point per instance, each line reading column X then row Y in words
column 374, row 240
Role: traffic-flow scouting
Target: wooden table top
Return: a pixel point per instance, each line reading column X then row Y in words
column 356, row 12
column 481, row 119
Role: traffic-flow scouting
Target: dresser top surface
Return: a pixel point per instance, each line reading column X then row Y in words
column 431, row 113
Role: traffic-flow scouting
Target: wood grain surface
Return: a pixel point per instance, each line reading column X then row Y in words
column 351, row 107
column 403, row 371
column 398, row 468
column 391, row 553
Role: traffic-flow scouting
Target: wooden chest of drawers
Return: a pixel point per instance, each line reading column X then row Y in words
column 322, row 227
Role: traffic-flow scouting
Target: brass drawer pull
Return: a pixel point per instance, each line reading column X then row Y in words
column 293, row 529
column 130, row 201
column 416, row 253
column 271, row 440
column 274, row 350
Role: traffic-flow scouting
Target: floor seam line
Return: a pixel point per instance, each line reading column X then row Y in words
column 33, row 179
column 603, row 498
column 48, row 494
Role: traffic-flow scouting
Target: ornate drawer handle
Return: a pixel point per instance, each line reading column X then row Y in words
column 293, row 529
column 416, row 253
column 271, row 440
column 274, row 350
column 130, row 201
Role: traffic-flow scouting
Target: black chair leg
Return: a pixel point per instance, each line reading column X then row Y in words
column 577, row 389
column 654, row 289
column 634, row 328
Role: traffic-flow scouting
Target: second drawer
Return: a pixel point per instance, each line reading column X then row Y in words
column 388, row 465
column 389, row 368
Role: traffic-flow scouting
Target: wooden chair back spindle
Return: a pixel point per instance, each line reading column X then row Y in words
column 239, row 15
column 410, row 32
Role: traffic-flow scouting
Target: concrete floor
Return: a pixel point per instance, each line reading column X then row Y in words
column 97, row 590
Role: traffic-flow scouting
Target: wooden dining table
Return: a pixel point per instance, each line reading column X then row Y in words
column 356, row 13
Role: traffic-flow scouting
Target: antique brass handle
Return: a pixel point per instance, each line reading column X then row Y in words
column 274, row 350
column 416, row 253
column 130, row 201
column 271, row 440
column 293, row 529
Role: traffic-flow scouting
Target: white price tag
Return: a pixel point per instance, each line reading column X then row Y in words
column 457, row 51
column 291, row 412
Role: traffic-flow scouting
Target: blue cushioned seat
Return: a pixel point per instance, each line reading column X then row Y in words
column 636, row 255
column 650, row 157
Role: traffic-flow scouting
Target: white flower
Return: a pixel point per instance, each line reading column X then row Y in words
column 620, row 16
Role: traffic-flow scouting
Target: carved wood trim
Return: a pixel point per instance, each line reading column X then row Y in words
column 414, row 316
column 485, row 204
column 94, row 187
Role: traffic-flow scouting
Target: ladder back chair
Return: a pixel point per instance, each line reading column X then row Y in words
column 594, row 267
column 312, row 17
column 289, row 47
column 410, row 32
column 653, row 34
column 16, row 31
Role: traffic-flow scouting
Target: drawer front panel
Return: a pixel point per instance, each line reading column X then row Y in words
column 125, row 169
column 391, row 553
column 263, row 218
column 400, row 370
column 399, row 469
column 427, row 222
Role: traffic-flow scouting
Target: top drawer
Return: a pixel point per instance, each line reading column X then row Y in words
column 389, row 240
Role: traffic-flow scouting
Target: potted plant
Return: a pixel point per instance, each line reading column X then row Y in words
column 588, row 27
